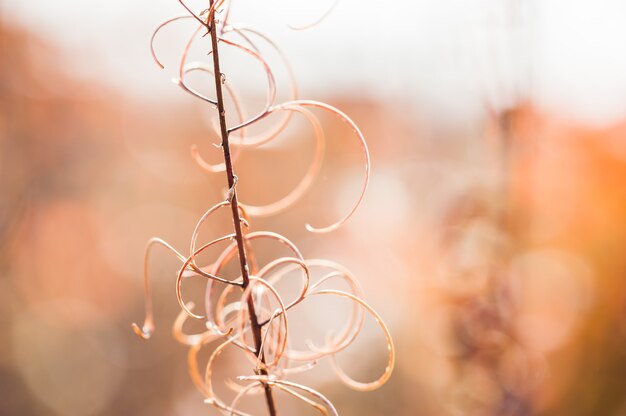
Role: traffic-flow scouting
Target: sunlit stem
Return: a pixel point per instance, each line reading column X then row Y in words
column 256, row 328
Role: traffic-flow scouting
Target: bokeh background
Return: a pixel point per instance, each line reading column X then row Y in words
column 491, row 239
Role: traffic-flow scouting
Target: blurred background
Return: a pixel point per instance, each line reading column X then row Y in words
column 491, row 239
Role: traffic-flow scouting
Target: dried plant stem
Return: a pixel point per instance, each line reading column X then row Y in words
column 254, row 322
column 269, row 352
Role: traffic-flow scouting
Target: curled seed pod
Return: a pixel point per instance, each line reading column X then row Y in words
column 285, row 261
column 148, row 326
column 307, row 180
column 157, row 30
column 362, row 142
column 390, row 347
column 318, row 20
column 190, row 339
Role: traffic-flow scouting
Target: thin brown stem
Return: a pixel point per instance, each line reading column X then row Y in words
column 232, row 194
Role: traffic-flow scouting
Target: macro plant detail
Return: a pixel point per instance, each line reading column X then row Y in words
column 249, row 313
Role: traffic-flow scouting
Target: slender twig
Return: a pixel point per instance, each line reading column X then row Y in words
column 232, row 195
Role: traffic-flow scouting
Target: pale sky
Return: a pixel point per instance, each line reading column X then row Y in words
column 450, row 56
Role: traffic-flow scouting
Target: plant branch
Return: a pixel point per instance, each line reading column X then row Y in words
column 232, row 196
